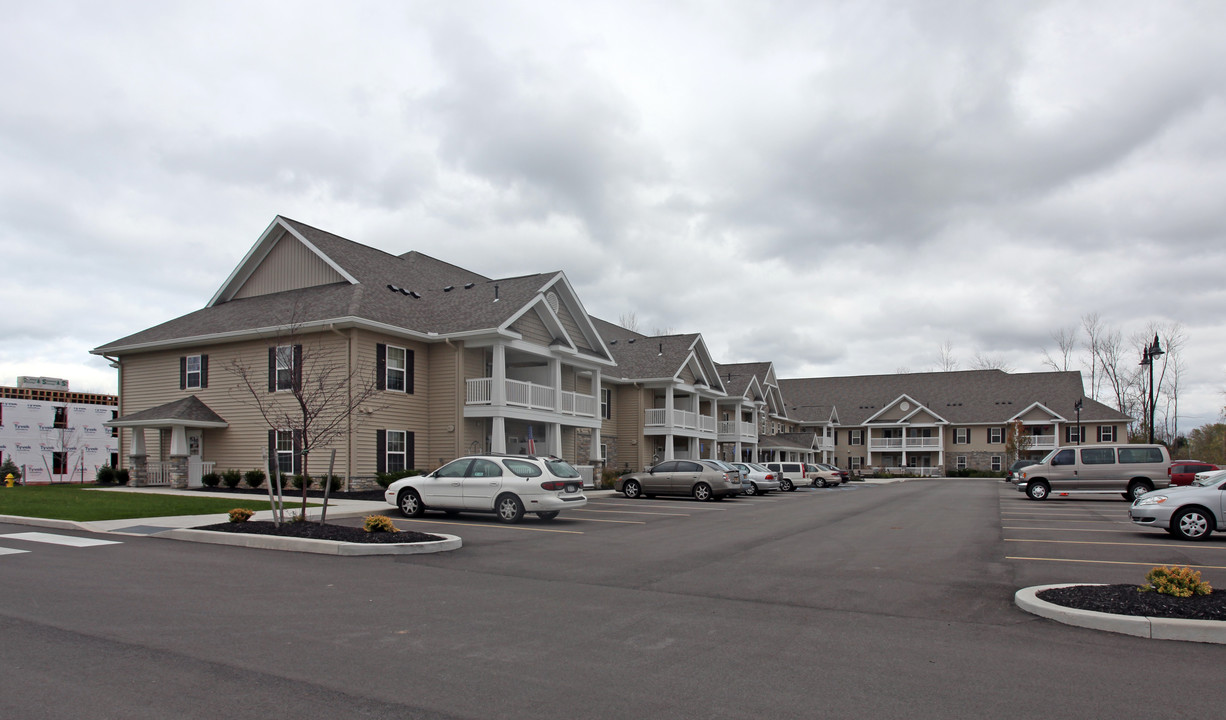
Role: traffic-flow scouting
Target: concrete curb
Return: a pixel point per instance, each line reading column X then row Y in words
column 1154, row 628
column 310, row 545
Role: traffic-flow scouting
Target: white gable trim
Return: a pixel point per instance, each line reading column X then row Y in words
column 259, row 252
column 1055, row 416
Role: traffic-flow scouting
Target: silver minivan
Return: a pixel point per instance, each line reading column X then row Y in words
column 1130, row 470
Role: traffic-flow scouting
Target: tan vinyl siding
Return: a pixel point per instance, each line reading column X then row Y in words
column 687, row 376
column 394, row 410
column 570, row 446
column 152, row 379
column 572, row 328
column 444, row 390
column 475, row 362
column 290, row 265
column 1037, row 415
column 533, row 330
column 568, row 378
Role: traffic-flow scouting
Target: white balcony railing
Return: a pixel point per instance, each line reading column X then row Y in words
column 737, row 428
column 520, row 393
column 681, row 420
column 911, row 443
column 1041, row 442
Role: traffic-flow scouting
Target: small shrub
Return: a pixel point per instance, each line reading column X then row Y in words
column 232, row 478
column 211, row 480
column 122, row 476
column 379, row 523
column 385, row 479
column 105, row 475
column 300, row 480
column 8, row 467
column 238, row 515
column 254, row 478
column 1176, row 581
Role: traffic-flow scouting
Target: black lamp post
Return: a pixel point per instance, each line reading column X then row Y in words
column 1077, row 407
column 1147, row 358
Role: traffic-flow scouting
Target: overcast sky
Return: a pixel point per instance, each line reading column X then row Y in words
column 838, row 187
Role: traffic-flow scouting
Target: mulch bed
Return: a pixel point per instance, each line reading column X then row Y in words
column 1129, row 600
column 341, row 533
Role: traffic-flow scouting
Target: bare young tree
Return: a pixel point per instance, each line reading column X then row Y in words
column 307, row 388
column 946, row 362
column 629, row 320
column 1066, row 345
column 983, row 361
column 1092, row 326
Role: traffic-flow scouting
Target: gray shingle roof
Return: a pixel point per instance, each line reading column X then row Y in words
column 461, row 309
column 184, row 411
column 644, row 356
column 736, row 376
column 969, row 396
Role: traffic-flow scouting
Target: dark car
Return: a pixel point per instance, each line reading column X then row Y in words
column 1182, row 472
column 1016, row 468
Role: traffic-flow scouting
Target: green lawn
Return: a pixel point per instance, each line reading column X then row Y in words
column 82, row 504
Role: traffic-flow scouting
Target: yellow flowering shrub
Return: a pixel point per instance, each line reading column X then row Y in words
column 238, row 515
column 379, row 523
column 1176, row 581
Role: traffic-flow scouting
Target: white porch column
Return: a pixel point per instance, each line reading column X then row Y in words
column 178, row 441
column 596, row 392
column 594, row 455
column 668, row 446
column 941, row 452
column 498, row 434
column 554, row 431
column 498, row 385
column 668, row 412
column 738, row 446
column 138, row 442
column 555, row 381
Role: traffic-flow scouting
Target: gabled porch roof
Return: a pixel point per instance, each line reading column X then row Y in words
column 188, row 411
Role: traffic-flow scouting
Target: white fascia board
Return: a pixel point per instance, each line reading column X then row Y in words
column 919, row 409
column 1054, row 415
column 259, row 252
column 265, row 333
column 164, row 423
column 579, row 312
column 891, row 404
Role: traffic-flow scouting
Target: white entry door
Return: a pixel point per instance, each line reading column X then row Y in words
column 195, row 467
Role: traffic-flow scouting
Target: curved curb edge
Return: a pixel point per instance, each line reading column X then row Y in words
column 1155, row 628
column 311, row 545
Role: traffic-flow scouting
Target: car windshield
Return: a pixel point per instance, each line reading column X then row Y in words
column 561, row 468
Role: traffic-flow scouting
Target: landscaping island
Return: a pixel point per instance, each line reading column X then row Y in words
column 1129, row 600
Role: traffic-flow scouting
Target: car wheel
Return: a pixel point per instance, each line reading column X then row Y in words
column 786, row 485
column 1137, row 489
column 509, row 508
column 1191, row 524
column 820, row 482
column 632, row 489
column 1037, row 490
column 752, row 489
column 702, row 491
column 547, row 515
column 409, row 503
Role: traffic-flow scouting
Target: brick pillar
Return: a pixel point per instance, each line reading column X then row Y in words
column 178, row 472
column 138, row 469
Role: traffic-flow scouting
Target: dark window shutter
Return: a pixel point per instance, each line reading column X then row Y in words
column 380, row 366
column 297, row 452
column 182, row 372
column 272, row 452
column 297, row 368
column 272, row 369
column 381, row 451
column 204, row 371
column 408, row 371
column 410, row 451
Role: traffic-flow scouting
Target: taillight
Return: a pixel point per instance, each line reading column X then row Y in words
column 770, row 477
column 553, row 485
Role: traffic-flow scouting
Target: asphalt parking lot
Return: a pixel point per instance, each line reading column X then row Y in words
column 1089, row 538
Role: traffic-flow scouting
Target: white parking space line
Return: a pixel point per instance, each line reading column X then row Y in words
column 1129, row 544
column 1051, row 529
column 489, row 525
column 54, row 539
column 606, row 520
column 632, row 512
column 1113, row 562
column 11, row 551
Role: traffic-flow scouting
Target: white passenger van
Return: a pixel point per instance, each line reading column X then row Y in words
column 1130, row 470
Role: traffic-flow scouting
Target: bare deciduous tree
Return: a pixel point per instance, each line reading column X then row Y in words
column 1066, row 345
column 323, row 399
column 629, row 321
column 946, row 362
column 983, row 361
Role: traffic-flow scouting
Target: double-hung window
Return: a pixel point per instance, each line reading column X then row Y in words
column 285, row 367
column 192, row 372
column 996, row 435
column 1106, row 433
column 962, row 436
column 396, row 449
column 606, row 404
column 285, row 451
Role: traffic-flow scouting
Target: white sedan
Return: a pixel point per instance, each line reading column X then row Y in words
column 756, row 479
column 508, row 486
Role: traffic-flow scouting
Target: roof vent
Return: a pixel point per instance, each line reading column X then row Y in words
column 661, row 352
column 495, row 293
column 468, row 286
column 449, row 288
column 612, row 342
column 403, row 291
column 393, row 288
column 415, row 295
column 631, row 340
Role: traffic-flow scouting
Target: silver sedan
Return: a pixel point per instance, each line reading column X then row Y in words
column 755, row 479
column 1190, row 512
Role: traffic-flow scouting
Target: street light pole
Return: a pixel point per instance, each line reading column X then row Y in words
column 1077, row 407
column 1147, row 358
